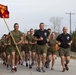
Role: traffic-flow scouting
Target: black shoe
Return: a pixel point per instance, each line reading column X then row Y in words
column 66, row 66
column 4, row 63
column 63, row 70
column 26, row 64
column 21, row 63
column 15, row 69
column 52, row 68
column 43, row 69
column 30, row 66
column 32, row 63
column 47, row 64
column 8, row 67
column 38, row 69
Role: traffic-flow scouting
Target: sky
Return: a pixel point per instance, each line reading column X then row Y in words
column 29, row 13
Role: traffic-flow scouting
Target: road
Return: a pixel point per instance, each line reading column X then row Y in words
column 22, row 70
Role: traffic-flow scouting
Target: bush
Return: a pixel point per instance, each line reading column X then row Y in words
column 73, row 46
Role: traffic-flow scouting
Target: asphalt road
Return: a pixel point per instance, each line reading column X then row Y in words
column 22, row 70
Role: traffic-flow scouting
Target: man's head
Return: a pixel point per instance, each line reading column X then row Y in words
column 16, row 26
column 65, row 30
column 28, row 32
column 31, row 31
column 41, row 26
column 49, row 30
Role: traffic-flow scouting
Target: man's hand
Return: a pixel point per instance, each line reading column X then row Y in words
column 30, row 43
column 41, row 38
column 69, row 44
column 59, row 43
column 47, row 40
column 16, row 43
column 47, row 46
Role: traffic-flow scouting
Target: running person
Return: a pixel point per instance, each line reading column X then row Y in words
column 64, row 40
column 52, row 49
column 41, row 36
column 18, row 37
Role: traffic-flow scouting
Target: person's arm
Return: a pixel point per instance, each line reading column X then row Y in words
column 70, row 40
column 48, row 36
column 58, row 40
column 20, row 41
column 38, row 39
column 26, row 41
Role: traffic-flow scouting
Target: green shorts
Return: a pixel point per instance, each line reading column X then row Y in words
column 29, row 47
column 3, row 49
column 26, row 48
column 14, row 49
column 40, row 49
column 64, row 52
column 51, row 52
column 33, row 49
column 22, row 48
column 8, row 50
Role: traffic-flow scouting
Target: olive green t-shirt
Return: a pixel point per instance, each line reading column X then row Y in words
column 30, row 38
column 17, row 36
column 52, row 44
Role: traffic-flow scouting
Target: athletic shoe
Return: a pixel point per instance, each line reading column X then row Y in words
column 43, row 69
column 15, row 69
column 66, row 66
column 26, row 64
column 38, row 69
column 30, row 66
column 63, row 70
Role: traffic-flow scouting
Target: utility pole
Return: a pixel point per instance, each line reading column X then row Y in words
column 70, row 19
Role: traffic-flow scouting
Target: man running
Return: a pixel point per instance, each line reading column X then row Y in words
column 41, row 36
column 64, row 40
column 18, row 37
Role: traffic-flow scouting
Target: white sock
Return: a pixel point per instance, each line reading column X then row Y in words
column 30, row 62
column 13, row 66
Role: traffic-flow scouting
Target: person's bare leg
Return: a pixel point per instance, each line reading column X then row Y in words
column 4, row 58
column 30, row 59
column 63, row 63
column 38, row 62
column 26, row 59
column 67, row 62
column 33, row 57
column 8, row 61
column 43, row 61
column 49, row 58
column 53, row 61
column 13, row 59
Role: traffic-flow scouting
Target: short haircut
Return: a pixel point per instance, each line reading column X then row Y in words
column 31, row 29
column 48, row 29
column 41, row 23
column 64, row 27
column 15, row 24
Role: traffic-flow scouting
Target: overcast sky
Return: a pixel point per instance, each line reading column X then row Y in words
column 29, row 13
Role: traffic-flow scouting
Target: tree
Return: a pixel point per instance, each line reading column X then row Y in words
column 56, row 23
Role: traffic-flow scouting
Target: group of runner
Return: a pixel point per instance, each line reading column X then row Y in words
column 35, row 47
